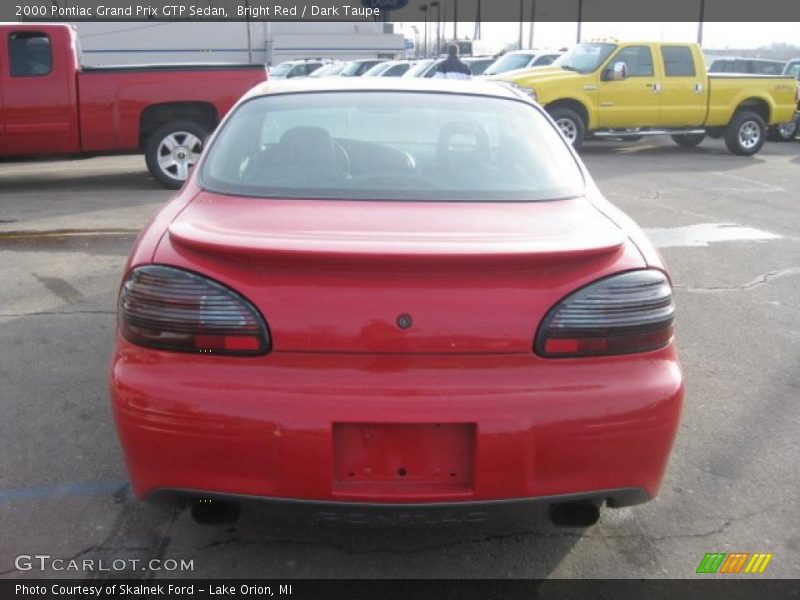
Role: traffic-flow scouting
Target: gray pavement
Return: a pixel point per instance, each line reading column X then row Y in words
column 732, row 483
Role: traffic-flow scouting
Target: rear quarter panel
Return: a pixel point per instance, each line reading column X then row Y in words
column 112, row 101
column 726, row 94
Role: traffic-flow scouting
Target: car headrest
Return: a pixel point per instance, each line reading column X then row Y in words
column 463, row 144
column 309, row 144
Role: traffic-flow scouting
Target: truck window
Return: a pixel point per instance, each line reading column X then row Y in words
column 678, row 61
column 29, row 54
column 637, row 59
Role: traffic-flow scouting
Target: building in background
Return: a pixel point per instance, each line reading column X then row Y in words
column 109, row 43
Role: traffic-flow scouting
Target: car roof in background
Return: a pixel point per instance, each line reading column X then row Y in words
column 383, row 84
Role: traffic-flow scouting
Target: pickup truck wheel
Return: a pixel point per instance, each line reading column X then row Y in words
column 172, row 151
column 783, row 133
column 571, row 126
column 688, row 140
column 745, row 133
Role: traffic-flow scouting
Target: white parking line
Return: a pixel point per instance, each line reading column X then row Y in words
column 752, row 185
column 703, row 234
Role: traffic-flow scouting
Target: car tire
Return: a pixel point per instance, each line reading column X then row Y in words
column 783, row 133
column 570, row 124
column 172, row 150
column 745, row 134
column 688, row 140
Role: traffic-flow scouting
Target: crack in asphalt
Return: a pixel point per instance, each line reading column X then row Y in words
column 757, row 282
column 57, row 312
column 48, row 233
column 114, row 542
column 119, row 529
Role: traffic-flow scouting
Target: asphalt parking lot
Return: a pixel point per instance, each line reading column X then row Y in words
column 730, row 230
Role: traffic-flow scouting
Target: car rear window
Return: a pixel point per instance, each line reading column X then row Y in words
column 390, row 146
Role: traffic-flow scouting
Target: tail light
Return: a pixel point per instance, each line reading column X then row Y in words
column 172, row 309
column 621, row 314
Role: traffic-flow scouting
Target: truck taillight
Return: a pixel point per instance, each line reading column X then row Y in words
column 622, row 314
column 174, row 309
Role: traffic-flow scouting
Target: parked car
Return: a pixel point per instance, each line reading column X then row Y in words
column 330, row 70
column 390, row 68
column 788, row 131
column 420, row 67
column 478, row 64
column 429, row 69
column 53, row 106
column 437, row 309
column 648, row 88
column 751, row 66
column 792, row 68
column 522, row 59
column 356, row 68
column 297, row 68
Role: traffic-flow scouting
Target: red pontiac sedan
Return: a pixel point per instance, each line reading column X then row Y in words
column 395, row 294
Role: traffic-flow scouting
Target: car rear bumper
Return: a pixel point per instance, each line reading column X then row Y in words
column 339, row 428
column 371, row 513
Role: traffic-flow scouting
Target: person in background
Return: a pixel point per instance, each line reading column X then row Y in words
column 452, row 67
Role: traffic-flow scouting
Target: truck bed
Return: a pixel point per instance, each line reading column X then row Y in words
column 113, row 98
column 725, row 92
column 171, row 67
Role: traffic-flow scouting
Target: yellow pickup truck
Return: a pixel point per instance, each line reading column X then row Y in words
column 633, row 89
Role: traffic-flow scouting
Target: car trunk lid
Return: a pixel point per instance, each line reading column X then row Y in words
column 398, row 277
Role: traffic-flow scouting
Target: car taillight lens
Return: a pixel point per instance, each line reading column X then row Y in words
column 621, row 314
column 172, row 309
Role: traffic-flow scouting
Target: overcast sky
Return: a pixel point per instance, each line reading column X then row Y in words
column 715, row 35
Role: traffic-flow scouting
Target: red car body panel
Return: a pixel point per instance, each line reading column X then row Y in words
column 333, row 276
column 264, row 426
column 459, row 400
column 73, row 111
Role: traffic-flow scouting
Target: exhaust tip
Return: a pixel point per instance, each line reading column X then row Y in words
column 575, row 514
column 206, row 511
